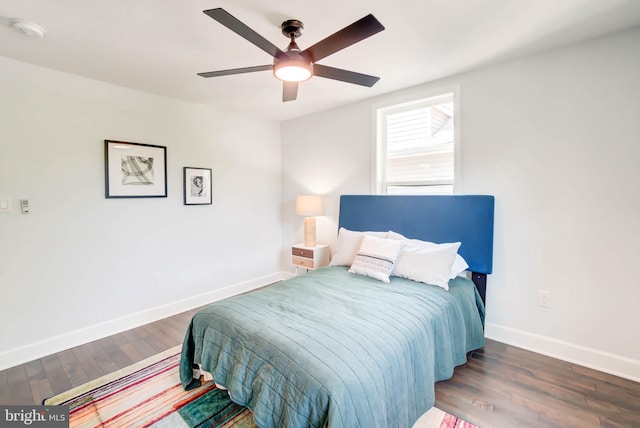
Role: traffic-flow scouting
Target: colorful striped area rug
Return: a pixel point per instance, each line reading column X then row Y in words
column 149, row 394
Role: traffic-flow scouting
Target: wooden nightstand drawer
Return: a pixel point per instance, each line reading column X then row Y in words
column 310, row 257
column 302, row 262
column 302, row 252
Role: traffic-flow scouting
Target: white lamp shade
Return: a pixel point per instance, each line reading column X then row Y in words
column 309, row 205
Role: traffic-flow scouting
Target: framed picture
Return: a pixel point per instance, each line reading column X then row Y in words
column 135, row 170
column 197, row 186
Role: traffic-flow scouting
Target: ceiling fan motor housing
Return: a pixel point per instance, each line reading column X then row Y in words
column 291, row 65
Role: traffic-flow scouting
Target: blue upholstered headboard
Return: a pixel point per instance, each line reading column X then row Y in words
column 438, row 218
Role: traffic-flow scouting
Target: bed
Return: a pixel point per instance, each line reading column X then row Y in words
column 334, row 349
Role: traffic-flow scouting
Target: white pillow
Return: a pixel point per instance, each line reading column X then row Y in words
column 376, row 257
column 428, row 264
column 459, row 264
column 348, row 243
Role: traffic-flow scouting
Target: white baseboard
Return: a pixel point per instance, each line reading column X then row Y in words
column 23, row 354
column 595, row 359
column 288, row 275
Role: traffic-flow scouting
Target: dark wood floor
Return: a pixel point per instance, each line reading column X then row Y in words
column 505, row 386
column 500, row 386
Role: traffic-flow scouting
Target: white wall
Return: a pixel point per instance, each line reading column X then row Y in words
column 554, row 137
column 79, row 266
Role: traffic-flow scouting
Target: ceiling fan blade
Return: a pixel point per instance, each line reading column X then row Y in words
column 235, row 25
column 359, row 30
column 344, row 75
column 289, row 91
column 236, row 71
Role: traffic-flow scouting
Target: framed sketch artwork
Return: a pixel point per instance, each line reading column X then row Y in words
column 135, row 170
column 197, row 186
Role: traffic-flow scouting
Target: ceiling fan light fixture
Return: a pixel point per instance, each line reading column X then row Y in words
column 293, row 70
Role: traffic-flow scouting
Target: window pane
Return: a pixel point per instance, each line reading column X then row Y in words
column 419, row 147
column 420, row 190
column 426, row 164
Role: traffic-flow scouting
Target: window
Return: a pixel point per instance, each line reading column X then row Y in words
column 415, row 147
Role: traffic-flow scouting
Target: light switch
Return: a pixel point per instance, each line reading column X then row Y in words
column 5, row 205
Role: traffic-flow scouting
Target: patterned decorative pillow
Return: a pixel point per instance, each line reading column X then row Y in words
column 347, row 246
column 376, row 257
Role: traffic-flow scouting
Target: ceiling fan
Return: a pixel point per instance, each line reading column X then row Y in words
column 294, row 65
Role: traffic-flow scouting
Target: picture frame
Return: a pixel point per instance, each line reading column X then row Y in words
column 197, row 186
column 134, row 170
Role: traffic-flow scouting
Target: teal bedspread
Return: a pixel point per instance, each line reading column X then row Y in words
column 330, row 348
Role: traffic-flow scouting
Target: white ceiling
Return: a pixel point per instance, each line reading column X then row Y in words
column 158, row 46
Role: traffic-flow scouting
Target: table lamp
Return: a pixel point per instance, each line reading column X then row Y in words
column 309, row 206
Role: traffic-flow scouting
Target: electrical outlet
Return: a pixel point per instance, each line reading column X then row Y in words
column 544, row 298
column 155, row 278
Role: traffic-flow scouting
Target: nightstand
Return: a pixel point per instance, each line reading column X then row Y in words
column 310, row 257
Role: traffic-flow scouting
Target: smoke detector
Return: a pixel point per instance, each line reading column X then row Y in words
column 27, row 28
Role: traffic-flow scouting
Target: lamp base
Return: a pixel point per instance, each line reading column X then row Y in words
column 310, row 232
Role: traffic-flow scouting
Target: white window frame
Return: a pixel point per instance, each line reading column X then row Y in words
column 378, row 185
